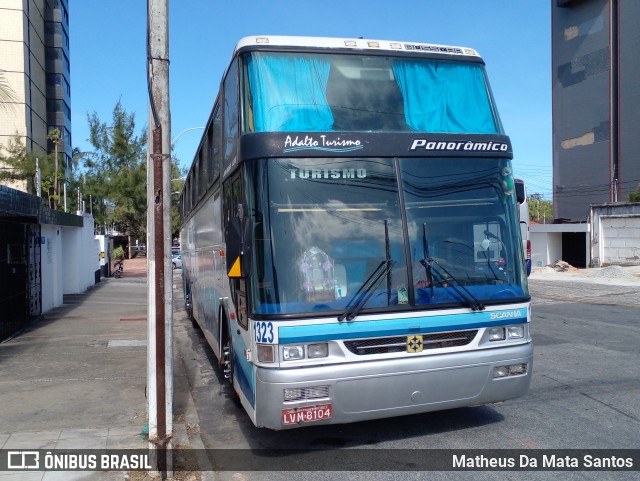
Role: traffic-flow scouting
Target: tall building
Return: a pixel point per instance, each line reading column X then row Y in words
column 596, row 103
column 34, row 64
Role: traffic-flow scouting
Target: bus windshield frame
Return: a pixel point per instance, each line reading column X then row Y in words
column 323, row 227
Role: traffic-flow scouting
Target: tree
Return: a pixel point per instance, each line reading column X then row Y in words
column 540, row 210
column 635, row 196
column 178, row 176
column 54, row 137
column 19, row 164
column 7, row 95
column 115, row 172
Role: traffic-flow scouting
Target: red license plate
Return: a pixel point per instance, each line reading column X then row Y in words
column 307, row 414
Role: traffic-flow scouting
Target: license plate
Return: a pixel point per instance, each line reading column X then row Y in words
column 307, row 414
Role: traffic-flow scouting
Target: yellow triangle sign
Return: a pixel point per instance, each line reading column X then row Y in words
column 235, row 269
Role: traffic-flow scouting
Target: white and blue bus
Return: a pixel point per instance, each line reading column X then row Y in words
column 350, row 236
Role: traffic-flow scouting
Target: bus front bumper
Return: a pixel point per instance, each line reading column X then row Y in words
column 362, row 391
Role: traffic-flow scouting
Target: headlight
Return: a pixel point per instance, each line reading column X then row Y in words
column 496, row 334
column 317, row 350
column 292, row 353
column 515, row 332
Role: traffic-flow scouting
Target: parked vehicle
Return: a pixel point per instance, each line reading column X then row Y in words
column 353, row 248
column 118, row 269
column 176, row 261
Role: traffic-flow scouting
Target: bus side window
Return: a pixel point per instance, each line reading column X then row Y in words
column 230, row 119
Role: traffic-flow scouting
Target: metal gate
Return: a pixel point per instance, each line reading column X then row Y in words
column 14, row 289
column 34, row 268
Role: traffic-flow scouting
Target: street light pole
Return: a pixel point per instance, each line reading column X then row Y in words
column 175, row 139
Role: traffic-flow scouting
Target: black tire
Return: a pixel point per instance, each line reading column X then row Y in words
column 228, row 363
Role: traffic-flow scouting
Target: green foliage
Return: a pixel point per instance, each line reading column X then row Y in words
column 540, row 210
column 177, row 183
column 114, row 176
column 118, row 253
column 635, row 196
column 20, row 165
column 7, row 94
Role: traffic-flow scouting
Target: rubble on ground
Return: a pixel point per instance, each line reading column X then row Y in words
column 562, row 266
column 610, row 272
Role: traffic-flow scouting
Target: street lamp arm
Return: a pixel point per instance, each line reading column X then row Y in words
column 182, row 132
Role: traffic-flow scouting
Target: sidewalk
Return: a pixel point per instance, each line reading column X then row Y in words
column 77, row 380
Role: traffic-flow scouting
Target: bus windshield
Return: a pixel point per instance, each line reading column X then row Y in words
column 307, row 92
column 324, row 226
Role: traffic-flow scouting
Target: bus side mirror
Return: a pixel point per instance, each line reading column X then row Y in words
column 521, row 193
column 239, row 239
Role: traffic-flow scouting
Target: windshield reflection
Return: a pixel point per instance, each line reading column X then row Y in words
column 462, row 215
column 321, row 234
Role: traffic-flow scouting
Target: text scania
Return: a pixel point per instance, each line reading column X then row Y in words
column 489, row 146
column 505, row 315
column 328, row 173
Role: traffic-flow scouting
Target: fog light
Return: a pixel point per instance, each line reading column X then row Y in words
column 517, row 369
column 496, row 334
column 292, row 353
column 265, row 353
column 306, row 393
column 293, row 394
column 502, row 371
column 515, row 332
column 512, row 370
column 317, row 350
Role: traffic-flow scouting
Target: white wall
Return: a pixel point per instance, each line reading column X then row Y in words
column 546, row 248
column 81, row 254
column 51, row 266
column 615, row 234
column 546, row 242
column 621, row 240
column 69, row 258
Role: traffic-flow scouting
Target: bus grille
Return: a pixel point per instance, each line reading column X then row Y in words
column 386, row 345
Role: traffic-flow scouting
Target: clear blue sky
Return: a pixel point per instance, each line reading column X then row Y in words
column 108, row 57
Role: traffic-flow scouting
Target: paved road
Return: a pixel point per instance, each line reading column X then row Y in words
column 585, row 394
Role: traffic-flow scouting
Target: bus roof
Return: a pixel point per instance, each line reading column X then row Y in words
column 353, row 43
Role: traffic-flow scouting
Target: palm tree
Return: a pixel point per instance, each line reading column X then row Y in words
column 7, row 95
column 54, row 136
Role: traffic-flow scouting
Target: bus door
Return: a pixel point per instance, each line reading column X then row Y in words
column 238, row 227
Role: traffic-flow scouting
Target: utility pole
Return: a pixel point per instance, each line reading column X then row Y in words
column 614, row 98
column 160, row 295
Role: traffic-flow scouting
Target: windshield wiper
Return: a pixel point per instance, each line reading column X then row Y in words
column 365, row 292
column 368, row 287
column 425, row 253
column 469, row 298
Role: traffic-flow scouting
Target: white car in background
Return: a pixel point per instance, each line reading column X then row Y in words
column 176, row 261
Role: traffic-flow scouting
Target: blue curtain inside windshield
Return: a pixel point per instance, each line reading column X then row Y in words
column 289, row 93
column 441, row 97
